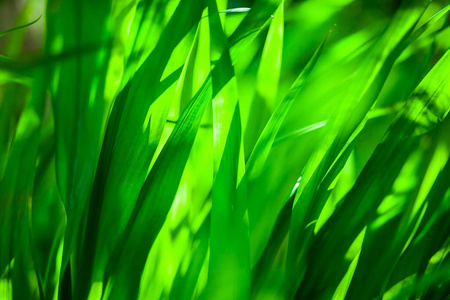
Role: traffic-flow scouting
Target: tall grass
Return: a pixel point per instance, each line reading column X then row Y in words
column 219, row 149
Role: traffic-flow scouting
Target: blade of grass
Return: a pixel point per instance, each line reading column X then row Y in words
column 19, row 27
column 229, row 276
column 267, row 80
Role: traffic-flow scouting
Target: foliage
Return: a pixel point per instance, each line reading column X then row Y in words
column 220, row 149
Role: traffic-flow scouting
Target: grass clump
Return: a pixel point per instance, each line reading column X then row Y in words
column 224, row 150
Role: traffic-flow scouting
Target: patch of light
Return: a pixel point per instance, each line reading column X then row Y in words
column 297, row 184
